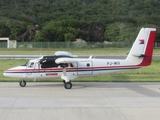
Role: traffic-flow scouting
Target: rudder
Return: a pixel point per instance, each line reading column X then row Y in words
column 142, row 49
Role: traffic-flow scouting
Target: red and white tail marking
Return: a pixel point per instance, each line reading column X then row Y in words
column 142, row 50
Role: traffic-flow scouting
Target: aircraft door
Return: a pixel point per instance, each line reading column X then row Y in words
column 71, row 69
column 30, row 68
column 85, row 68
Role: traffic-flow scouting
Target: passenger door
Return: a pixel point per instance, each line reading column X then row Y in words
column 85, row 68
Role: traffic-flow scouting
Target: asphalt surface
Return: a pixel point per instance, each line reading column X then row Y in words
column 85, row 101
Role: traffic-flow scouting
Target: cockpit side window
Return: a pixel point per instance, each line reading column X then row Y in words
column 31, row 65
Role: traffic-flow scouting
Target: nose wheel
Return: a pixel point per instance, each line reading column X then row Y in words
column 68, row 85
column 22, row 83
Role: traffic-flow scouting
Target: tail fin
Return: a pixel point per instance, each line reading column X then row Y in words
column 142, row 49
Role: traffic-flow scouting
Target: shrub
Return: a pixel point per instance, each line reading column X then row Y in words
column 80, row 44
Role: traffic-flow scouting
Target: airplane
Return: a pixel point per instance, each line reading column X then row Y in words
column 66, row 66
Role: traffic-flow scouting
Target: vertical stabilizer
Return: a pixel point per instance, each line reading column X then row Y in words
column 142, row 49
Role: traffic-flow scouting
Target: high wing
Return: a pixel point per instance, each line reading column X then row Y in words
column 66, row 60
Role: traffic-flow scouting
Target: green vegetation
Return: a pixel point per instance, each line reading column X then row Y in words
column 146, row 74
column 60, row 20
column 76, row 51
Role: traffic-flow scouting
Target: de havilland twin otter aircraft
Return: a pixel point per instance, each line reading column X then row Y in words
column 68, row 67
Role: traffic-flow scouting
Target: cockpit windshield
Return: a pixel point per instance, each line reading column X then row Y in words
column 26, row 64
column 29, row 64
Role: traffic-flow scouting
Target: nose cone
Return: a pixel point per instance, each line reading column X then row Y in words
column 15, row 72
column 6, row 73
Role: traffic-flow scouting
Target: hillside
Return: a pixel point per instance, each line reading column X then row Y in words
column 65, row 20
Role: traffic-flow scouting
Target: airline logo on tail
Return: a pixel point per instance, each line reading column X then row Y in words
column 141, row 41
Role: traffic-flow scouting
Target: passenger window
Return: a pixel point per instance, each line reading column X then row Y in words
column 88, row 65
column 70, row 65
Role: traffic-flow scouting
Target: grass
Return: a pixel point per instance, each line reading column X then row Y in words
column 49, row 51
column 85, row 51
column 146, row 74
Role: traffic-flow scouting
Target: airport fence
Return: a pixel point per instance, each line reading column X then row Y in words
column 70, row 44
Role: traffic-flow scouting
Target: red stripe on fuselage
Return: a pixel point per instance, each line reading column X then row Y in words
column 71, row 69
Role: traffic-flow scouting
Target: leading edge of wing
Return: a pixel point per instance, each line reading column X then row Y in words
column 66, row 60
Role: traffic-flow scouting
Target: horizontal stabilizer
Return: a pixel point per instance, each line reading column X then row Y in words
column 139, row 55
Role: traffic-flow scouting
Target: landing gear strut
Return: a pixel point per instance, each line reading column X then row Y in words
column 22, row 83
column 64, row 81
column 68, row 85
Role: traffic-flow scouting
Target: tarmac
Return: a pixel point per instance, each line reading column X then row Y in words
column 85, row 101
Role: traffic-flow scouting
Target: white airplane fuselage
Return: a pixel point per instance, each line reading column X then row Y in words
column 67, row 67
column 88, row 67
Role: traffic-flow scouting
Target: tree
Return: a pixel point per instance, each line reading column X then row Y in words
column 69, row 37
column 119, row 32
column 59, row 17
column 16, row 28
column 39, row 37
column 4, row 31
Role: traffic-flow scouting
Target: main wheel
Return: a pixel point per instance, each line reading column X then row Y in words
column 68, row 85
column 22, row 83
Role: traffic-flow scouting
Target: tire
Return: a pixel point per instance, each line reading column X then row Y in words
column 68, row 85
column 22, row 83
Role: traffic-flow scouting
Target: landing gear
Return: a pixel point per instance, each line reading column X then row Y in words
column 68, row 85
column 64, row 81
column 22, row 83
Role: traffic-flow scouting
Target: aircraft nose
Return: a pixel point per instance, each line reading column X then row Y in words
column 5, row 73
column 15, row 72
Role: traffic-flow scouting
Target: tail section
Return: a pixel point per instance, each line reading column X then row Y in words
column 142, row 49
